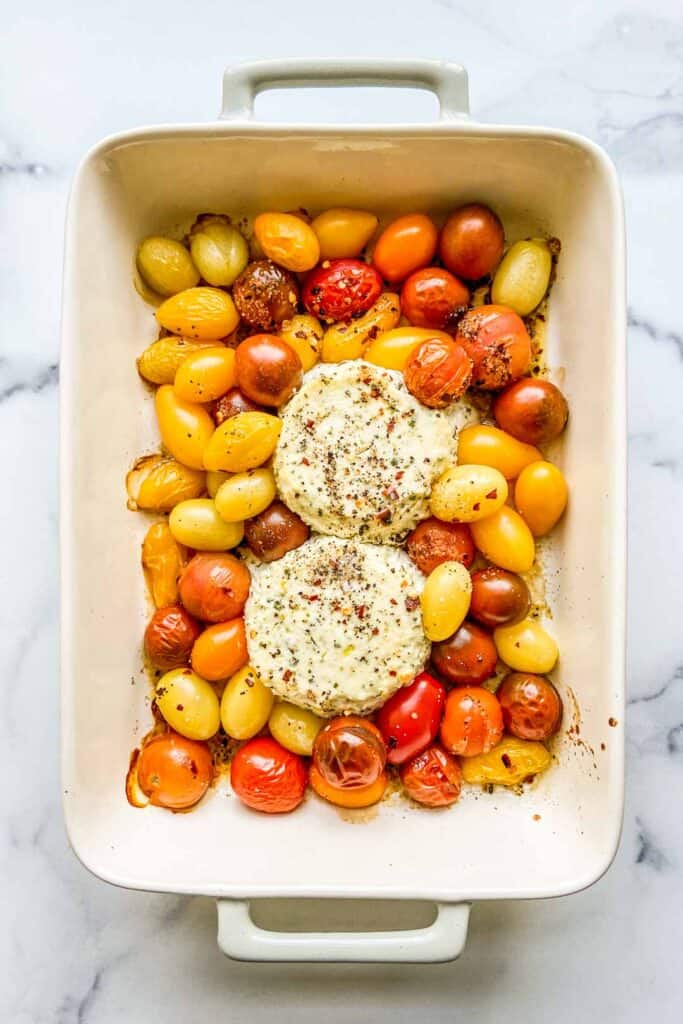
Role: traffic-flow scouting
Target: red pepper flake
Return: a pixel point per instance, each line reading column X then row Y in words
column 412, row 603
column 375, row 631
column 180, row 707
column 537, row 817
column 505, row 758
column 612, row 722
column 476, row 506
column 287, row 675
column 305, row 462
column 493, row 494
column 392, row 672
column 360, row 611
column 401, row 473
column 310, row 424
column 392, row 600
column 391, row 426
column 313, row 597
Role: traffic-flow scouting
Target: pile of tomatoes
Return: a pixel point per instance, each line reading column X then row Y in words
column 241, row 322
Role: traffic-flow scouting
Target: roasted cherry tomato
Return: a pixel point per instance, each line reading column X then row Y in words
column 169, row 637
column 532, row 707
column 287, row 239
column 349, row 752
column 433, row 778
column 438, row 372
column 472, row 722
column 467, row 658
column 274, row 532
column 410, row 719
column 265, row 294
column 174, row 772
column 360, row 796
column 472, row 241
column 541, row 496
column 533, row 411
column 214, row 587
column 341, row 290
column 221, row 650
column 434, row 542
column 497, row 341
column 232, row 403
column 498, row 597
column 404, row 246
column 266, row 777
column 268, row 369
column 433, row 297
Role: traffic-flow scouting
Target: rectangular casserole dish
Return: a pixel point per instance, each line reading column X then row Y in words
column 562, row 834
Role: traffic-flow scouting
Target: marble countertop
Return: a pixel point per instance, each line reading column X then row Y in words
column 76, row 951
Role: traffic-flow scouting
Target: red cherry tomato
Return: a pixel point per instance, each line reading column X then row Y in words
column 349, row 753
column 268, row 369
column 341, row 289
column 533, row 411
column 532, row 707
column 467, row 658
column 174, row 772
column 169, row 637
column 499, row 597
column 433, row 297
column 472, row 241
column 266, row 777
column 214, row 587
column 433, row 778
column 498, row 344
column 404, row 246
column 472, row 722
column 437, row 372
column 434, row 542
column 410, row 719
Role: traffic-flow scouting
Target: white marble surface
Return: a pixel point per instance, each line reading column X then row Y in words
column 73, row 949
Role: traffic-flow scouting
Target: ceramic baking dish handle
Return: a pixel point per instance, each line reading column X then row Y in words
column 241, row 939
column 243, row 82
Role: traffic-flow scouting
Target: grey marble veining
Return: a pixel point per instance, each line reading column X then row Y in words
column 76, row 951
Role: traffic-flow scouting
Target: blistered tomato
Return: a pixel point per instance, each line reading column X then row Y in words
column 173, row 771
column 466, row 658
column 341, row 290
column 433, row 542
column 169, row 637
column 437, row 372
column 349, row 753
column 433, row 297
column 498, row 343
column 266, row 777
column 472, row 722
column 532, row 708
column 471, row 242
column 410, row 719
column 232, row 403
column 214, row 588
column 433, row 778
column 360, row 796
column 404, row 246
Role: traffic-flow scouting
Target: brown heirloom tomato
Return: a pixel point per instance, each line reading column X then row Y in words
column 349, row 753
column 404, row 246
column 174, row 772
column 499, row 597
column 266, row 777
column 473, row 721
column 169, row 637
column 434, row 542
column 433, row 297
column 472, row 241
column 532, row 707
column 467, row 658
column 533, row 411
column 341, row 290
column 438, row 372
column 232, row 403
column 410, row 719
column 214, row 587
column 274, row 532
column 268, row 370
column 433, row 778
column 497, row 341
column 221, row 650
column 265, row 294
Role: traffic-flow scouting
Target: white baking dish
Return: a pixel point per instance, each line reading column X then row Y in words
column 562, row 834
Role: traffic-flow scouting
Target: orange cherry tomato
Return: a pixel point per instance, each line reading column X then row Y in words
column 267, row 777
column 433, row 778
column 433, row 297
column 362, row 796
column 498, row 343
column 174, row 772
column 472, row 722
column 438, row 372
column 472, row 241
column 214, row 587
column 221, row 650
column 404, row 246
column 349, row 752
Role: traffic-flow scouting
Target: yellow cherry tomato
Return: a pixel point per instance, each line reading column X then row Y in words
column 348, row 340
column 206, row 313
column 523, row 276
column 392, row 349
column 294, row 727
column 166, row 265
column 186, row 428
column 510, row 762
column 245, row 705
column 156, row 483
column 198, row 525
column 214, row 479
column 343, row 232
column 163, row 560
column 541, row 496
column 287, row 240
column 505, row 539
column 445, row 600
column 526, row 647
column 489, row 446
column 188, row 703
column 160, row 361
column 242, row 442
column 246, row 494
column 304, row 334
column 465, row 494
column 206, row 375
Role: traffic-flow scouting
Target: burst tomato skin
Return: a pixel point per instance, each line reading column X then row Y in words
column 173, row 771
column 438, row 372
column 433, row 777
column 169, row 637
column 433, row 542
column 532, row 707
column 268, row 778
column 498, row 344
column 473, row 721
column 433, row 297
column 349, row 753
column 341, row 289
column 410, row 719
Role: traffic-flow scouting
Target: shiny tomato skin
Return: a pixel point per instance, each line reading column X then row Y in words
column 533, row 411
column 169, row 637
column 410, row 719
column 433, row 542
column 341, row 289
column 232, row 403
column 433, row 297
column 498, row 344
column 473, row 721
column 274, row 532
column 268, row 369
column 437, row 372
column 174, row 772
column 268, row 778
column 472, row 241
column 532, row 707
column 405, row 245
column 499, row 597
column 214, row 587
column 433, row 777
column 467, row 658
column 349, row 753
